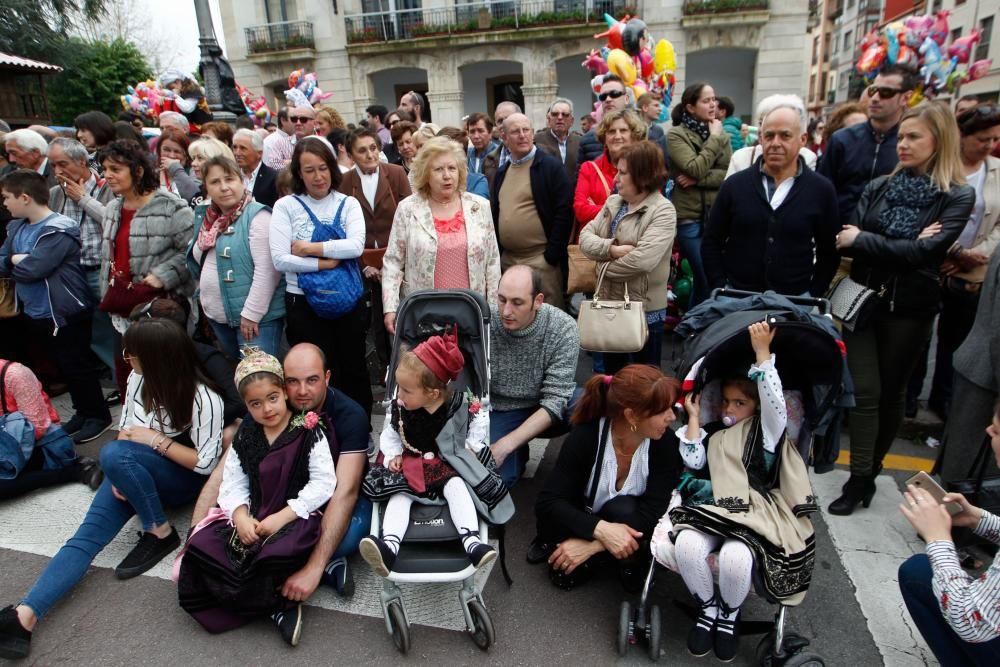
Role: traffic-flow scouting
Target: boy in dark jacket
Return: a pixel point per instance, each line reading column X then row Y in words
column 42, row 254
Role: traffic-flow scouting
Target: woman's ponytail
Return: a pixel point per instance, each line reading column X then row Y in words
column 593, row 403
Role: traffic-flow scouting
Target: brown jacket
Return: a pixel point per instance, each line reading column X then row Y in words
column 393, row 187
column 545, row 141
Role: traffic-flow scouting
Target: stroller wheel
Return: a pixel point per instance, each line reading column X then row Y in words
column 654, row 633
column 400, row 631
column 483, row 634
column 624, row 628
column 805, row 659
column 765, row 650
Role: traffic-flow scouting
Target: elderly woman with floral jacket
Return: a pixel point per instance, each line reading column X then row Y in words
column 442, row 237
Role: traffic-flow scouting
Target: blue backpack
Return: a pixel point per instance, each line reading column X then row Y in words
column 331, row 293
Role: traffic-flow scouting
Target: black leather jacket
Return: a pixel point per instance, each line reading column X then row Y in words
column 907, row 269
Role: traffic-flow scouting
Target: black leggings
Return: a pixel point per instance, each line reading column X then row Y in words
column 33, row 476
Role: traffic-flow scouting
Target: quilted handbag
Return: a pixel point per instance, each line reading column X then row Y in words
column 331, row 293
column 612, row 326
column 852, row 303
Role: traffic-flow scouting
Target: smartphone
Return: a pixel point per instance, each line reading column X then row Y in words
column 924, row 481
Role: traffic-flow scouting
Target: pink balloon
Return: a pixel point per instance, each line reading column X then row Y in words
column 979, row 69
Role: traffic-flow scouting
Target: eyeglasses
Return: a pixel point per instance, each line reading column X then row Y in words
column 613, row 94
column 300, row 119
column 560, row 114
column 884, row 92
column 391, row 123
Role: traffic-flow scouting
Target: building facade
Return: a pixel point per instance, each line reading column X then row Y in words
column 468, row 57
column 821, row 81
column 852, row 20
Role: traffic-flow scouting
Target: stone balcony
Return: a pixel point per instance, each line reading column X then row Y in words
column 724, row 13
column 280, row 42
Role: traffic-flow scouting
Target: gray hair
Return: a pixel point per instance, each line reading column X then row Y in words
column 172, row 117
column 417, row 99
column 775, row 102
column 561, row 100
column 515, row 105
column 256, row 141
column 73, row 149
column 27, row 140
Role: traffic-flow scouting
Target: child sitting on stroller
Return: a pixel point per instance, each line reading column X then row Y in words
column 753, row 504
column 432, row 447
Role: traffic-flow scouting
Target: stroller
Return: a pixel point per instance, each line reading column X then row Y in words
column 431, row 551
column 812, row 367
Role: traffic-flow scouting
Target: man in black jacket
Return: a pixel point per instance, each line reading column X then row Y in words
column 261, row 180
column 774, row 226
column 614, row 96
column 532, row 206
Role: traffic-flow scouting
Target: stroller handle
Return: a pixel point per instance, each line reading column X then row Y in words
column 823, row 305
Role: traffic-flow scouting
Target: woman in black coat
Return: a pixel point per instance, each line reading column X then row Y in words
column 613, row 478
column 899, row 235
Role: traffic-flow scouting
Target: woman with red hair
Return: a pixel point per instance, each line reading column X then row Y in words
column 612, row 481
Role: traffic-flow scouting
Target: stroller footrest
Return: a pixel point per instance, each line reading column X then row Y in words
column 436, row 557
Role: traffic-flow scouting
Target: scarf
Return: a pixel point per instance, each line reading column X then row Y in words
column 698, row 127
column 217, row 222
column 907, row 196
column 252, row 446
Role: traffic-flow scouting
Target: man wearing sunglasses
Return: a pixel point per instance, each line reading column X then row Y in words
column 279, row 145
column 558, row 139
column 614, row 96
column 856, row 155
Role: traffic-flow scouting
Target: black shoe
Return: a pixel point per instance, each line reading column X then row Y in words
column 727, row 634
column 699, row 641
column 112, row 399
column 538, row 551
column 377, row 554
column 89, row 472
column 92, row 429
column 148, row 552
column 74, row 424
column 912, row 406
column 338, row 576
column 859, row 489
column 289, row 623
column 481, row 554
column 15, row 641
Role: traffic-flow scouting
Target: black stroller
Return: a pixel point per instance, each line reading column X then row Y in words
column 812, row 366
column 431, row 551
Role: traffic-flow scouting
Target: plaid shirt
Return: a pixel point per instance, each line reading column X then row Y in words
column 90, row 229
column 278, row 148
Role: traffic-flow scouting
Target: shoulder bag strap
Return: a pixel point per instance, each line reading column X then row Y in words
column 312, row 216
column 602, row 446
column 604, row 181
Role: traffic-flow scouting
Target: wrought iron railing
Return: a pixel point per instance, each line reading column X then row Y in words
column 283, row 36
column 482, row 16
column 723, row 6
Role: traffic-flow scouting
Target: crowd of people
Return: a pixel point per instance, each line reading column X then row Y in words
column 239, row 287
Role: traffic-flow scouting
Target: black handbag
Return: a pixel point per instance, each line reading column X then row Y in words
column 980, row 490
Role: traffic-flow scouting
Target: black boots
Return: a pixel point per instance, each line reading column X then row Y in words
column 859, row 489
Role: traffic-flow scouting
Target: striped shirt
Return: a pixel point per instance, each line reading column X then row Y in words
column 205, row 429
column 971, row 606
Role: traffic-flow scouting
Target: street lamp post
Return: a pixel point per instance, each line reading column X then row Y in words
column 210, row 50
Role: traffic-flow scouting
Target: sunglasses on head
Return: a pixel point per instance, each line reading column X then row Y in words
column 613, row 94
column 299, row 119
column 884, row 92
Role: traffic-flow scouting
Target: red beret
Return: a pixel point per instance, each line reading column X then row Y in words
column 442, row 356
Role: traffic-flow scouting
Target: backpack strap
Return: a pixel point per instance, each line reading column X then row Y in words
column 336, row 218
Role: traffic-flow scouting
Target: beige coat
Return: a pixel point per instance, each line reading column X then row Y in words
column 988, row 235
column 651, row 228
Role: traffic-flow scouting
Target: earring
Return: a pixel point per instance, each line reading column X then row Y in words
column 632, row 427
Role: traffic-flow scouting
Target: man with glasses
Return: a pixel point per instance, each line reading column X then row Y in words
column 614, row 96
column 855, row 155
column 558, row 139
column 279, row 145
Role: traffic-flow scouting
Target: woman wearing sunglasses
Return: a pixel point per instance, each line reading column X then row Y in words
column 699, row 157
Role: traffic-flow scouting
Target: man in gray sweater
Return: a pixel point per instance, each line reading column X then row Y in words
column 533, row 354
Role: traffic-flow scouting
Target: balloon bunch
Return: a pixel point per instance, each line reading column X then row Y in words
column 918, row 43
column 631, row 55
column 683, row 284
column 256, row 107
column 302, row 89
column 147, row 99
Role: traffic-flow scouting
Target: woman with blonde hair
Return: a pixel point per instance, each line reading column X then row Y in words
column 617, row 129
column 900, row 233
column 328, row 119
column 442, row 237
column 189, row 185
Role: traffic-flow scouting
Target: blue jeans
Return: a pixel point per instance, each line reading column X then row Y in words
column 651, row 353
column 147, row 480
column 950, row 650
column 231, row 339
column 360, row 526
column 689, row 236
column 503, row 422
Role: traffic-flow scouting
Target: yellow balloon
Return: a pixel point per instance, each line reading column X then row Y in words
column 620, row 63
column 664, row 57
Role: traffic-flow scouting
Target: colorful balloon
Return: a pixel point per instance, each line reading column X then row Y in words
column 595, row 63
column 613, row 33
column 939, row 29
column 620, row 64
column 664, row 57
column 979, row 69
column 961, row 48
column 917, row 29
column 634, row 36
column 871, row 60
column 646, row 63
column 892, row 45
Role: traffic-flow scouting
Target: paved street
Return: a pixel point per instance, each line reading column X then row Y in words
column 108, row 622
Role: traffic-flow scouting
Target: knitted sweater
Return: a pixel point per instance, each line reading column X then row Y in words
column 535, row 366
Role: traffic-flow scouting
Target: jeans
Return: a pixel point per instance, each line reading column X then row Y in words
column 231, row 339
column 360, row 526
column 144, row 477
column 689, row 237
column 70, row 348
column 503, row 422
column 650, row 354
column 34, row 476
column 881, row 359
column 102, row 331
column 950, row 649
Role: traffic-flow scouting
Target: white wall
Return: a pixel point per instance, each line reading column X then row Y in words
column 729, row 71
column 384, row 83
column 574, row 84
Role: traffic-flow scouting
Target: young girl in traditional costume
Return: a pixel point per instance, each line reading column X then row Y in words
column 435, row 445
column 278, row 473
column 753, row 505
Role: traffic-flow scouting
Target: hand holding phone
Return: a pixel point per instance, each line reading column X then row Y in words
column 924, row 481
